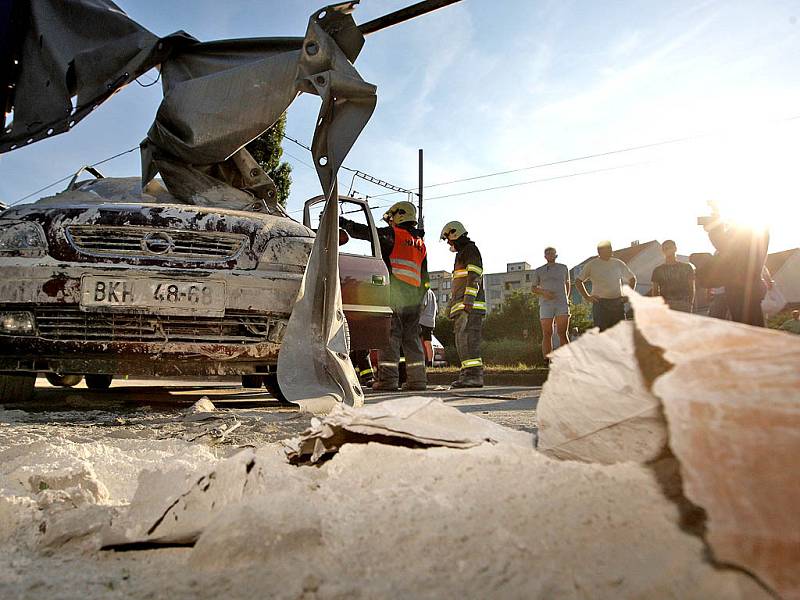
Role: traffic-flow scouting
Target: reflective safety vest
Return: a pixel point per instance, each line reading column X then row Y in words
column 407, row 256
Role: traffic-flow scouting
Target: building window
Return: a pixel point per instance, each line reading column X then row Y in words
column 447, row 285
column 527, row 276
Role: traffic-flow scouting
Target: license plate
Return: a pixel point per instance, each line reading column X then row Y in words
column 163, row 296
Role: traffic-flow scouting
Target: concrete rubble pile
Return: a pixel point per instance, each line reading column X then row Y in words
column 410, row 497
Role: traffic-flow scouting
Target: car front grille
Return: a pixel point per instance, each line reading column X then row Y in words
column 148, row 242
column 67, row 322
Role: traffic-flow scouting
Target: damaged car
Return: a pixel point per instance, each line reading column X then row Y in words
column 108, row 279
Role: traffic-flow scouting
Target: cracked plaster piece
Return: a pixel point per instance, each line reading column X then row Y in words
column 596, row 406
column 413, row 420
column 732, row 402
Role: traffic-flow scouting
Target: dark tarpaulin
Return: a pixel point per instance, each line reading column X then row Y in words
column 218, row 96
column 65, row 48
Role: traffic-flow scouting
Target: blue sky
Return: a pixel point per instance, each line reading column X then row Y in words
column 492, row 86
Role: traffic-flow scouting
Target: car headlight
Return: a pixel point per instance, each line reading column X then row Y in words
column 21, row 238
column 17, row 323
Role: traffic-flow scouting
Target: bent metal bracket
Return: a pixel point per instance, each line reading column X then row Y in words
column 55, row 50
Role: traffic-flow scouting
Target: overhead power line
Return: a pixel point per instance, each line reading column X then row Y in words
column 531, row 182
column 564, row 161
column 396, row 189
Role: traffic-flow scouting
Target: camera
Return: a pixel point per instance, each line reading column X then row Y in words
column 707, row 220
column 710, row 221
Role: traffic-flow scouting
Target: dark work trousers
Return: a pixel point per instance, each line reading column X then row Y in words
column 744, row 303
column 467, row 327
column 719, row 306
column 607, row 312
column 362, row 365
column 405, row 335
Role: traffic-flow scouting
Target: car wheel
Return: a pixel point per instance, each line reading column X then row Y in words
column 251, row 381
column 271, row 383
column 70, row 380
column 17, row 388
column 96, row 381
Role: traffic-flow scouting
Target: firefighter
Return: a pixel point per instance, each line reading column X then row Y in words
column 405, row 255
column 468, row 304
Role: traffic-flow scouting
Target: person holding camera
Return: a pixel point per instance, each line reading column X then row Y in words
column 737, row 265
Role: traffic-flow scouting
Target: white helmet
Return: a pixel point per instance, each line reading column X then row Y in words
column 401, row 212
column 453, row 230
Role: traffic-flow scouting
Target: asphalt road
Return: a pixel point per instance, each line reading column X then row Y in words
column 157, row 409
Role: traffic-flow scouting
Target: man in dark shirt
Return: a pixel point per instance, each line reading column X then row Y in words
column 674, row 280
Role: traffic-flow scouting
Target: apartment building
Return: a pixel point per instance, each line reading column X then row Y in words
column 498, row 286
column 441, row 284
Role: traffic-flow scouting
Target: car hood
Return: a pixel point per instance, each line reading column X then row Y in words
column 85, row 210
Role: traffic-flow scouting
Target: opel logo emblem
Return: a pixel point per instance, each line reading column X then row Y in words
column 157, row 242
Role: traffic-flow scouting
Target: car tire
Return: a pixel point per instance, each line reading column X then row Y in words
column 17, row 388
column 251, row 381
column 98, row 381
column 69, row 380
column 271, row 383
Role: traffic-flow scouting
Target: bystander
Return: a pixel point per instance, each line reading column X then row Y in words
column 551, row 284
column 427, row 321
column 674, row 280
column 793, row 324
column 738, row 266
column 607, row 274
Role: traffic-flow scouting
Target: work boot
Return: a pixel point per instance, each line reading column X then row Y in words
column 467, row 383
column 415, row 386
column 384, row 386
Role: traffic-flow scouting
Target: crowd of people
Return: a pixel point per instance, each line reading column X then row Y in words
column 735, row 274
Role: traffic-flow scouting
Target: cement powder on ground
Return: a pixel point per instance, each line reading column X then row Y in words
column 384, row 521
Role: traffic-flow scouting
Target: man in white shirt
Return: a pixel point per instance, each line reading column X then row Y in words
column 607, row 275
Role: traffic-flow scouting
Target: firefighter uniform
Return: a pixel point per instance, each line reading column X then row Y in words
column 363, row 366
column 404, row 252
column 467, row 306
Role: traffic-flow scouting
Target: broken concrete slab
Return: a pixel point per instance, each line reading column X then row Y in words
column 413, row 420
column 491, row 521
column 732, row 402
column 173, row 508
column 596, row 405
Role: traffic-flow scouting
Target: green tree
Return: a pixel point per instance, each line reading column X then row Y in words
column 444, row 330
column 516, row 319
column 267, row 151
column 581, row 318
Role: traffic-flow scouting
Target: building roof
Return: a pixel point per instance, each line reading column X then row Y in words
column 776, row 260
column 626, row 255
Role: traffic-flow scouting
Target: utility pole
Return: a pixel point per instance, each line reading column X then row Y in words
column 419, row 194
